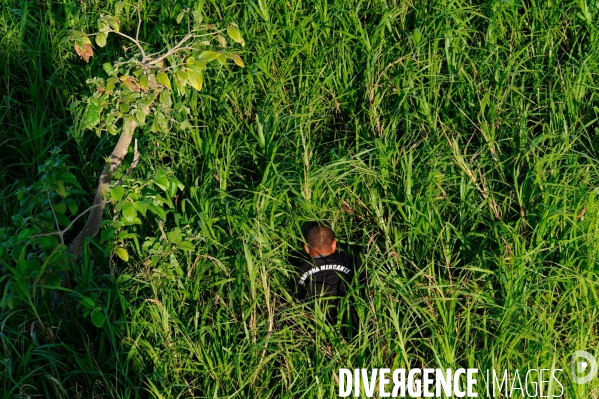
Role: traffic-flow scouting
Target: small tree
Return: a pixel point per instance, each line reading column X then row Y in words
column 137, row 94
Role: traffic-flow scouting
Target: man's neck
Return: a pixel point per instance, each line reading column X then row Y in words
column 320, row 254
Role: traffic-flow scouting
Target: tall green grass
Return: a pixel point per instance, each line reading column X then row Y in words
column 453, row 144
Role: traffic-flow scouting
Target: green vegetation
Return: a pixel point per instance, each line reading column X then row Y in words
column 454, row 144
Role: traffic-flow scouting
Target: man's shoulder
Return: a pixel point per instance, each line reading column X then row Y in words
column 348, row 258
column 342, row 259
column 305, row 265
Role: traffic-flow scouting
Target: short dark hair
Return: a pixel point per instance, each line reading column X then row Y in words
column 318, row 235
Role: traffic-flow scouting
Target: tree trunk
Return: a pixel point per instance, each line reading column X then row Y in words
column 92, row 226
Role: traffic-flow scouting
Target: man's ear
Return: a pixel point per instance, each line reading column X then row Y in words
column 334, row 245
column 307, row 249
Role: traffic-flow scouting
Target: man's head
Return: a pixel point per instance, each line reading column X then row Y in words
column 320, row 240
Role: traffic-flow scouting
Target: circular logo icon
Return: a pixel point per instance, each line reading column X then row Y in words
column 583, row 362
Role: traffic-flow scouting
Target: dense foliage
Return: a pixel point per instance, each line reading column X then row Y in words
column 454, row 145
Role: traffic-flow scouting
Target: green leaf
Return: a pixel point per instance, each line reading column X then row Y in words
column 165, row 99
column 235, row 34
column 190, row 61
column 173, row 184
column 416, row 36
column 117, row 193
column 200, row 63
column 140, row 117
column 143, row 81
column 197, row 16
column 88, row 302
column 101, row 39
column 60, row 188
column 180, row 17
column 55, row 280
column 72, row 206
column 222, row 59
column 98, row 319
column 91, row 117
column 175, row 235
column 108, row 69
column 160, row 123
column 24, row 234
column 129, row 213
column 63, row 220
column 110, row 83
column 141, row 207
column 106, row 234
column 209, row 55
column 112, row 129
column 122, row 253
column 60, row 208
column 13, row 302
column 47, row 242
column 69, row 178
column 187, row 246
column 163, row 79
column 182, row 77
column 161, row 180
column 158, row 211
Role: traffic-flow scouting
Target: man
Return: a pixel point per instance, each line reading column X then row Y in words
column 327, row 273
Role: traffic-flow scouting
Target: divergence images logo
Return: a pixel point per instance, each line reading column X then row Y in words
column 588, row 366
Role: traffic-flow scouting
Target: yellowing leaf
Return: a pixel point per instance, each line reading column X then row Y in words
column 122, row 253
column 236, row 59
column 200, row 63
column 222, row 59
column 180, row 17
column 209, row 55
column 222, row 41
column 114, row 23
column 102, row 25
column 195, row 79
column 182, row 76
column 235, row 34
column 101, row 39
column 163, row 79
column 60, row 189
column 84, row 50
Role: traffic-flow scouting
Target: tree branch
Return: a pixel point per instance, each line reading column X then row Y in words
column 179, row 45
column 171, row 51
column 92, row 226
column 135, row 41
column 133, row 164
column 61, row 232
column 138, row 21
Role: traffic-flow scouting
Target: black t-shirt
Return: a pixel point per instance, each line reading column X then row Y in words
column 327, row 275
